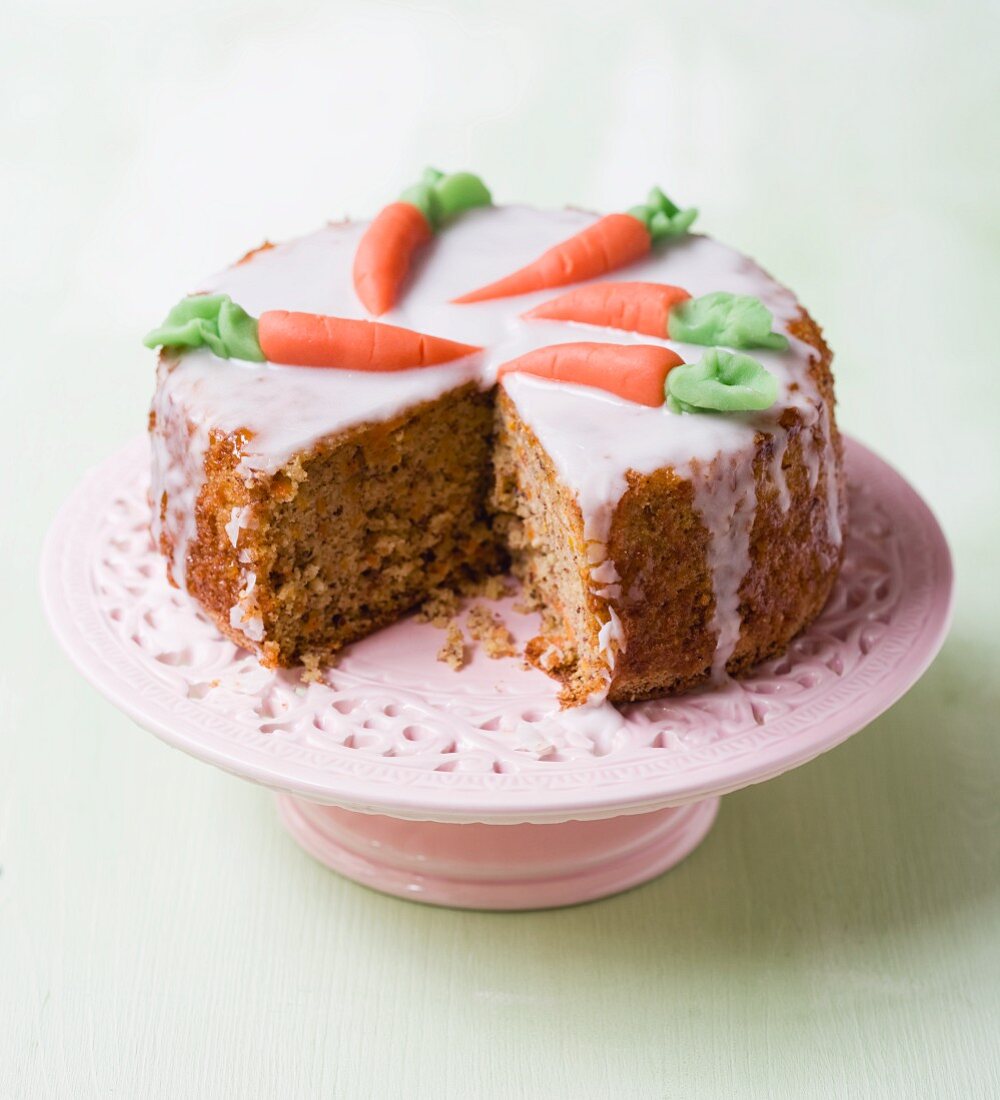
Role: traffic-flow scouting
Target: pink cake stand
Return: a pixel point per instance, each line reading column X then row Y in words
column 472, row 788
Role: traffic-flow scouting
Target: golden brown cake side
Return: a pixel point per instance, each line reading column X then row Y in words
column 659, row 545
column 667, row 603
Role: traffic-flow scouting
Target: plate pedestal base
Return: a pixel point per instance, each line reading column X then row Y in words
column 480, row 866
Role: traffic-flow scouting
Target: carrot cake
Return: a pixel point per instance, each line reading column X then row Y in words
column 633, row 418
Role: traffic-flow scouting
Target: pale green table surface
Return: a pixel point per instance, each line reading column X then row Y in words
column 837, row 933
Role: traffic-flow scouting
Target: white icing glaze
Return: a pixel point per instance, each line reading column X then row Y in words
column 177, row 474
column 611, row 637
column 779, row 442
column 726, row 500
column 242, row 615
column 593, row 438
column 833, row 530
column 238, row 519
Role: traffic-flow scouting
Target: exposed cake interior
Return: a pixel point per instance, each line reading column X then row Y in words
column 539, row 520
column 398, row 507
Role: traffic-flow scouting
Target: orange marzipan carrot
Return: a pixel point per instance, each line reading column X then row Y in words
column 636, row 372
column 609, row 243
column 384, row 252
column 634, row 307
column 315, row 340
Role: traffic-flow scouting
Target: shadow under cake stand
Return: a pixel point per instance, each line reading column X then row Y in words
column 472, row 788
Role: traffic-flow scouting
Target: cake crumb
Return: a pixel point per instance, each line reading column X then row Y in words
column 444, row 603
column 453, row 651
column 313, row 665
column 439, row 608
column 487, row 628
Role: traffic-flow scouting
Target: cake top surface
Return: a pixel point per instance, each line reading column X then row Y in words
column 592, row 436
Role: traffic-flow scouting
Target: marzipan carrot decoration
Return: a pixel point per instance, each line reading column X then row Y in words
column 384, row 252
column 608, row 244
column 299, row 339
column 211, row 321
column 637, row 372
column 655, row 309
column 633, row 307
column 314, row 340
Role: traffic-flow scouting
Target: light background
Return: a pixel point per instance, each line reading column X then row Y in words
column 837, row 934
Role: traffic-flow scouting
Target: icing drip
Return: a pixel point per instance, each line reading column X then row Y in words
column 243, row 615
column 611, row 638
column 178, row 473
column 812, row 456
column 833, row 528
column 238, row 519
column 779, row 444
column 726, row 500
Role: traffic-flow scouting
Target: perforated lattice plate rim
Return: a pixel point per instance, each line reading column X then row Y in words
column 394, row 731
